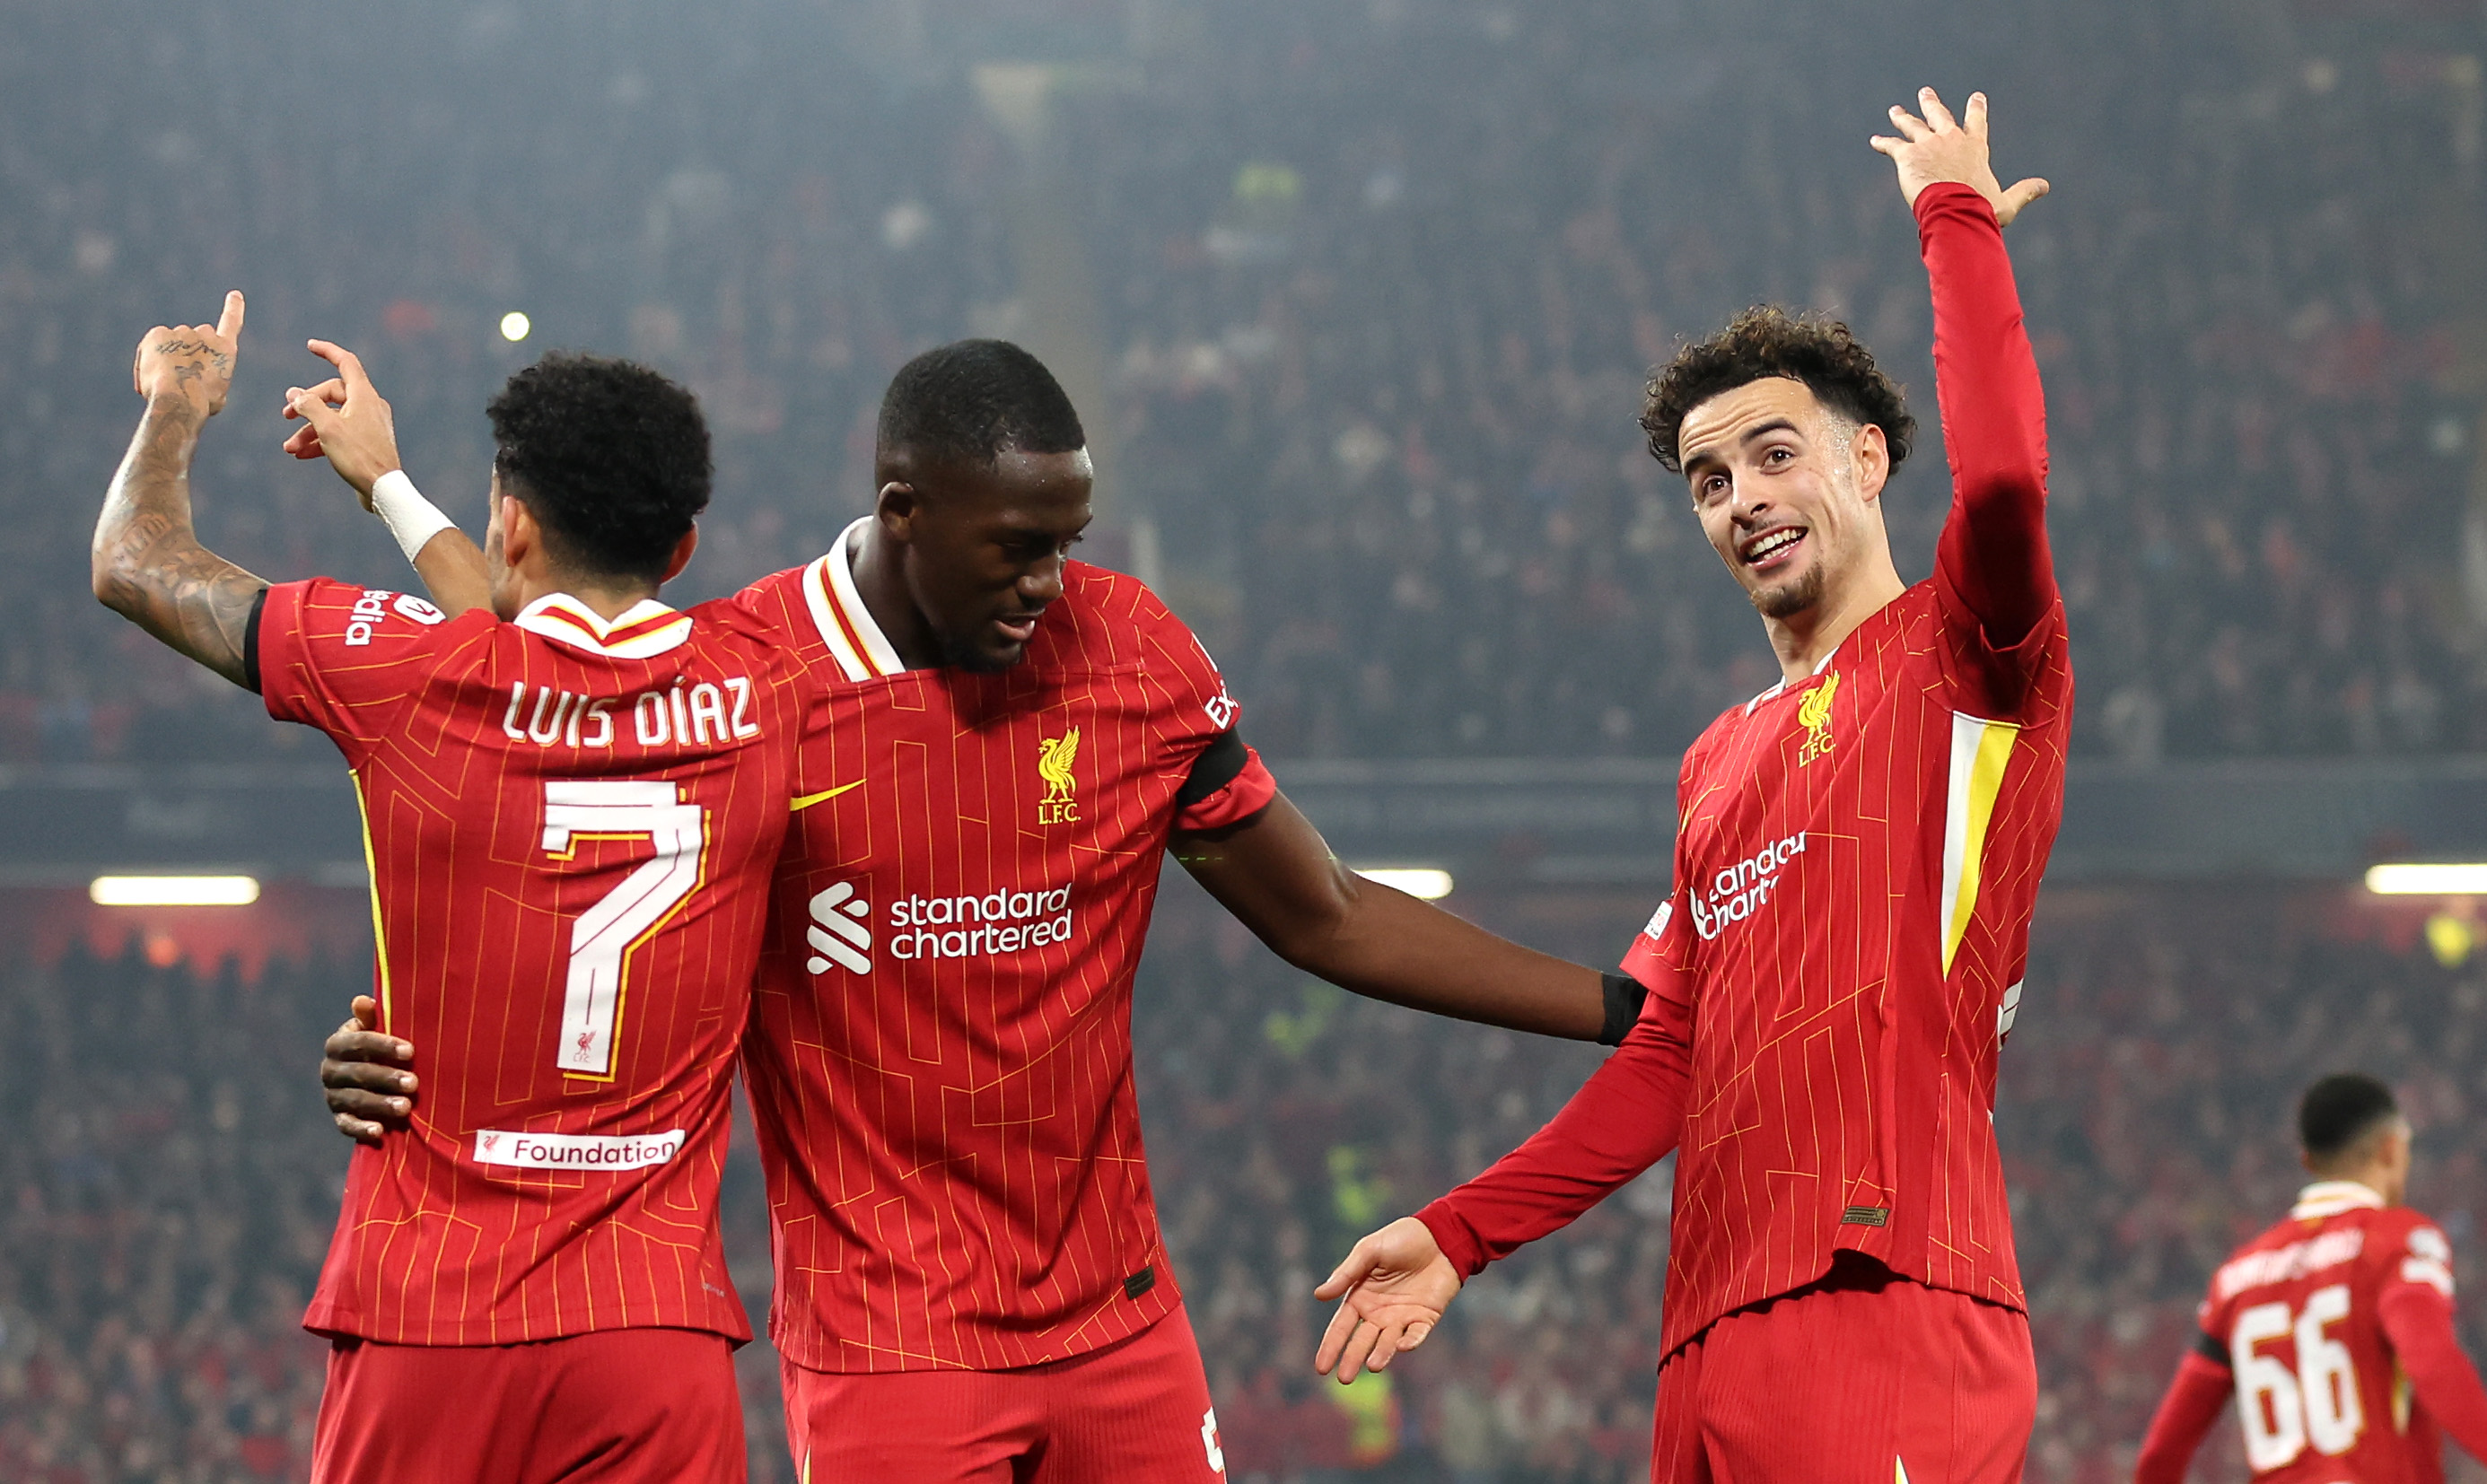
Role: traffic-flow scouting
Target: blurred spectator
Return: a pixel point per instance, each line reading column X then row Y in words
column 1374, row 289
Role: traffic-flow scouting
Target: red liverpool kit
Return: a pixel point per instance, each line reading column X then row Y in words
column 1856, row 859
column 570, row 825
column 941, row 1067
column 2334, row 1329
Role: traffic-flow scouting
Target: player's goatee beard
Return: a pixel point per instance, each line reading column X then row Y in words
column 1792, row 599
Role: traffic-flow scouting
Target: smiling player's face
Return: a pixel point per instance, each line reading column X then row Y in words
column 1786, row 490
column 986, row 547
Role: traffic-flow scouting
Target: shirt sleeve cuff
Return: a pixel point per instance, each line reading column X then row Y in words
column 1246, row 794
column 278, row 654
column 1457, row 1239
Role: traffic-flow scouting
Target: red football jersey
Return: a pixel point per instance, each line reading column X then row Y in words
column 571, row 826
column 1855, row 863
column 940, row 1065
column 2297, row 1314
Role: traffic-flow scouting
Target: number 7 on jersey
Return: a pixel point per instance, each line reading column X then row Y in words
column 626, row 917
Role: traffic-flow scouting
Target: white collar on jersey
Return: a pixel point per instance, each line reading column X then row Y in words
column 2330, row 1198
column 846, row 625
column 648, row 629
column 1820, row 665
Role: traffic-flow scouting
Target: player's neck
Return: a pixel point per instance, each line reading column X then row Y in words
column 606, row 600
column 1803, row 641
column 882, row 587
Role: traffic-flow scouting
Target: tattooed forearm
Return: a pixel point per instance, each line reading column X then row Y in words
column 148, row 566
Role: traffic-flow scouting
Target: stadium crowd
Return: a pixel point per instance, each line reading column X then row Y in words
column 1369, row 291
column 161, row 1224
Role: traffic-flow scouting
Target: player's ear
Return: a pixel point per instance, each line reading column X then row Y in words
column 682, row 557
column 520, row 536
column 1871, row 454
column 897, row 507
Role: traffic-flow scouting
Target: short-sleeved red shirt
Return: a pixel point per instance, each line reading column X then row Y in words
column 940, row 1066
column 570, row 825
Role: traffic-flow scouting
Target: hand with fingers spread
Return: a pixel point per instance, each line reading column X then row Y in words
column 1937, row 148
column 190, row 364
column 346, row 421
column 370, row 1090
column 1392, row 1290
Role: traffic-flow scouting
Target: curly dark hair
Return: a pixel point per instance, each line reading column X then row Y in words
column 610, row 457
column 1767, row 341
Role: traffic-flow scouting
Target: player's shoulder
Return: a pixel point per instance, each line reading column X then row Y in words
column 326, row 613
column 1107, row 619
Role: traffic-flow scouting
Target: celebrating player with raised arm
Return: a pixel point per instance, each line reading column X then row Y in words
column 1832, row 978
column 971, row 1280
column 571, row 819
column 2334, row 1328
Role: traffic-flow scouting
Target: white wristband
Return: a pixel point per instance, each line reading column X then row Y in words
column 409, row 517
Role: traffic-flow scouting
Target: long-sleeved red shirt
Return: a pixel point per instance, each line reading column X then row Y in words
column 2318, row 1321
column 1832, row 976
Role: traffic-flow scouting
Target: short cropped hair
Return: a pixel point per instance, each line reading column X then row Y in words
column 1767, row 341
column 611, row 458
column 2339, row 1111
column 971, row 400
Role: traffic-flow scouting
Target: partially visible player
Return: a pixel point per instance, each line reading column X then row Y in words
column 570, row 817
column 2334, row 1328
column 1832, row 978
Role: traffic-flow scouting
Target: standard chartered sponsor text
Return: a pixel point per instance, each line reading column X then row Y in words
column 575, row 1151
column 1737, row 892
column 970, row 927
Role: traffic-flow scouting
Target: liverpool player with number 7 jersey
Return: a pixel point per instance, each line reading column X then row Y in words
column 2334, row 1329
column 1832, row 978
column 571, row 819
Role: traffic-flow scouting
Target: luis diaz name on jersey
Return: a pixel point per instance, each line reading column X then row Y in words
column 1055, row 756
column 933, row 927
column 1739, row 891
column 691, row 713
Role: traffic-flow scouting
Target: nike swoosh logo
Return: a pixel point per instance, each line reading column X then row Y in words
column 810, row 798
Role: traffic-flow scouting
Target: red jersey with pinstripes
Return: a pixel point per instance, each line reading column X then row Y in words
column 2299, row 1313
column 1856, row 859
column 571, row 827
column 940, row 1069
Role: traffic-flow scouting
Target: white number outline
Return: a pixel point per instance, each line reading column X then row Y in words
column 607, row 934
column 2317, row 1402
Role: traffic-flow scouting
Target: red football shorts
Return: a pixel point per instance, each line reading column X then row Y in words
column 614, row 1407
column 1135, row 1411
column 1863, row 1378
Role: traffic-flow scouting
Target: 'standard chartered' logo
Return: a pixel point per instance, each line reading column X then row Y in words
column 841, row 931
column 1739, row 891
column 1053, row 758
column 1814, row 714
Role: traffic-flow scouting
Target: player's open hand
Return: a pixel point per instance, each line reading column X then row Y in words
column 370, row 1090
column 1937, row 148
column 190, row 362
column 344, row 421
column 1392, row 1290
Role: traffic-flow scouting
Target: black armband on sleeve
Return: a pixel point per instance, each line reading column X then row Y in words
column 250, row 643
column 2209, row 1348
column 1218, row 764
column 1624, row 997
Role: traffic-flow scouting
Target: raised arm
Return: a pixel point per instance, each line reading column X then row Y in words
column 345, row 420
column 1993, row 557
column 147, row 565
column 1277, row 877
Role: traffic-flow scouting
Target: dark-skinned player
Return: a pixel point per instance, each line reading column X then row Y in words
column 971, row 1280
